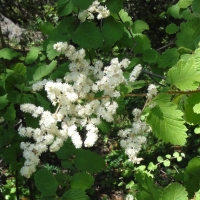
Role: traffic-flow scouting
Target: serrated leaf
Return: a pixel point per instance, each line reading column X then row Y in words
column 51, row 52
column 87, row 35
column 82, row 181
column 184, row 3
column 114, row 5
column 188, row 36
column 124, row 17
column 171, row 28
column 184, row 75
column 74, row 194
column 196, row 6
column 65, row 7
column 150, row 56
column 142, row 43
column 174, row 191
column 196, row 108
column 112, row 31
column 139, row 26
column 168, row 156
column 168, row 58
column 89, row 161
column 47, row 188
column 43, row 71
column 32, row 55
column 63, row 178
column 83, row 4
column 167, row 124
column 8, row 54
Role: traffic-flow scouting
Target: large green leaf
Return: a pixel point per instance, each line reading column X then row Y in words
column 89, row 161
column 189, row 34
column 168, row 58
column 3, row 101
column 88, row 35
column 184, row 75
column 65, row 7
column 150, row 56
column 166, row 121
column 114, row 5
column 32, row 55
column 44, row 70
column 8, row 54
column 142, row 43
column 139, row 26
column 171, row 28
column 184, row 3
column 196, row 6
column 45, row 182
column 174, row 191
column 74, row 194
column 83, row 4
column 112, row 31
column 82, row 181
column 10, row 113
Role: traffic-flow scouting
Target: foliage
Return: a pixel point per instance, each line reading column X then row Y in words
column 169, row 108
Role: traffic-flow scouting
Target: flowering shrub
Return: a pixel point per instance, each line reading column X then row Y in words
column 70, row 92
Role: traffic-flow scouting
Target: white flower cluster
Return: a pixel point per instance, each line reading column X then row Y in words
column 77, row 105
column 133, row 138
column 152, row 91
column 102, row 11
column 129, row 197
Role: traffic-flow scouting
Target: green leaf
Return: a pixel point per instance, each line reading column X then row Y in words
column 142, row 43
column 168, row 156
column 74, row 194
column 112, row 31
column 88, row 35
column 197, row 130
column 67, row 150
column 196, row 108
column 174, row 191
column 139, row 26
column 184, row 3
column 171, row 28
column 188, row 36
column 196, row 6
column 65, row 7
column 105, row 127
column 174, row 11
column 124, row 17
column 10, row 113
column 82, row 181
column 3, row 101
column 63, row 178
column 89, row 161
column 190, row 116
column 83, row 4
column 114, row 5
column 193, row 172
column 167, row 124
column 44, row 70
column 47, row 188
column 151, row 166
column 51, row 52
column 46, row 27
column 184, row 75
column 159, row 158
column 150, row 56
column 8, row 54
column 168, row 58
column 19, row 69
column 166, row 163
column 48, row 198
column 32, row 55
column 146, row 187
